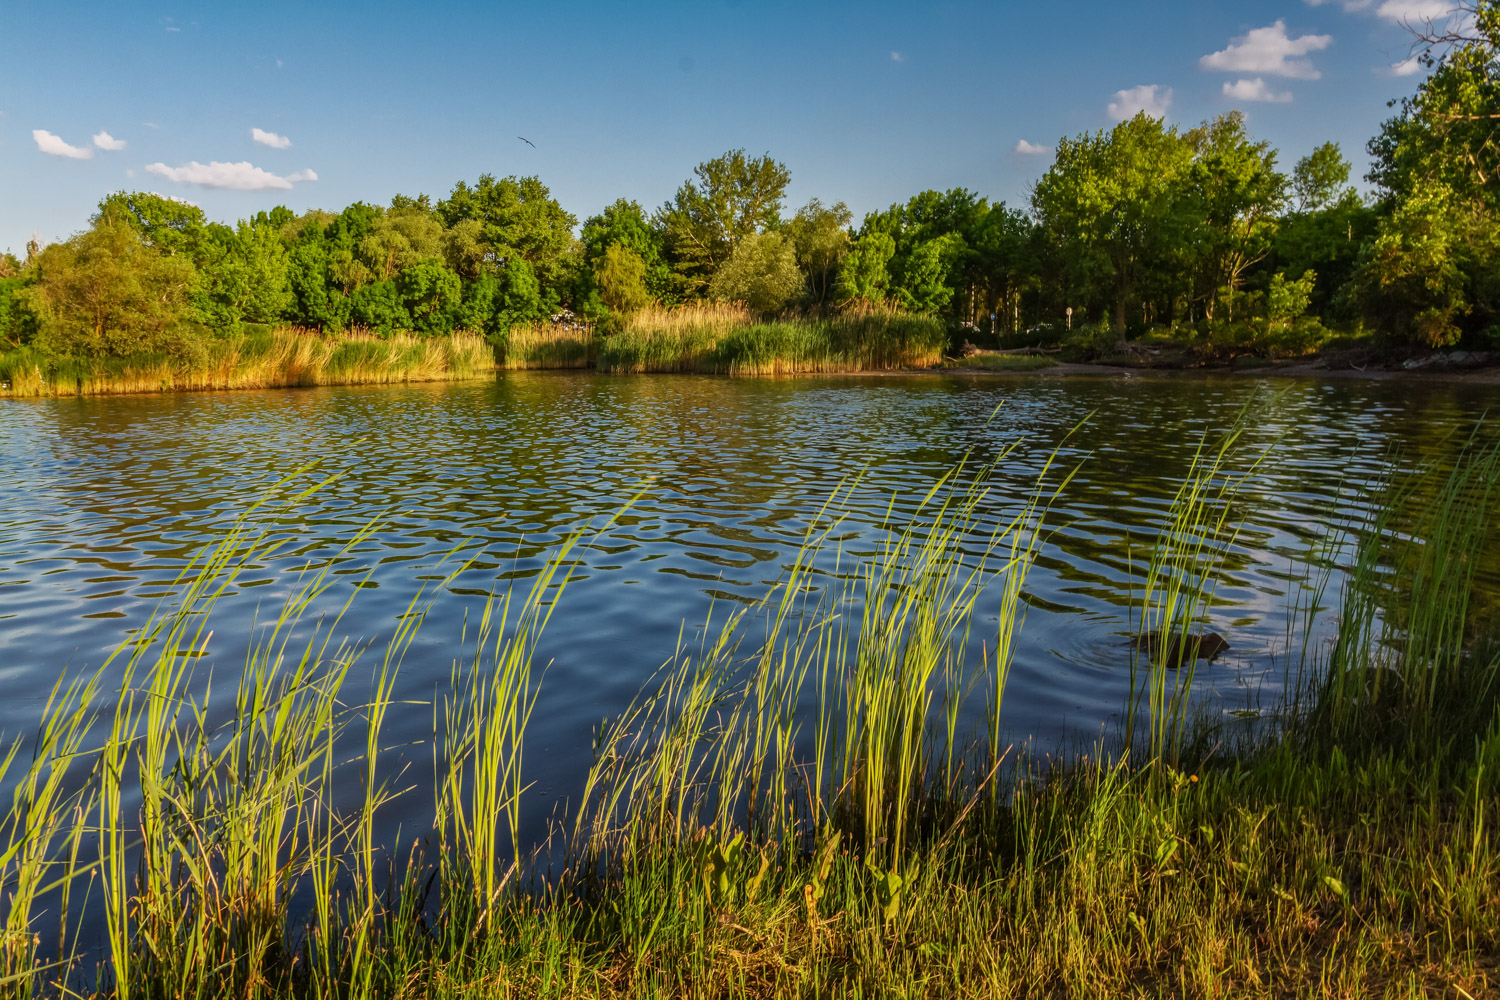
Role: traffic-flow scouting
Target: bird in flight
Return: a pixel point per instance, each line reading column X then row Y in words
column 527, row 141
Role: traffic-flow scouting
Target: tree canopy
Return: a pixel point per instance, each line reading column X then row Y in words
column 1197, row 230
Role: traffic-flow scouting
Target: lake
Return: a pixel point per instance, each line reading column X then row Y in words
column 103, row 499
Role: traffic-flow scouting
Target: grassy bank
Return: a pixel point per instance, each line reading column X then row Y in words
column 728, row 340
column 548, row 345
column 1002, row 362
column 726, row 845
column 254, row 360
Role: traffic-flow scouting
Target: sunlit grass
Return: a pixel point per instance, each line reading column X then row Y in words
column 548, row 345
column 726, row 339
column 256, row 360
column 1003, row 362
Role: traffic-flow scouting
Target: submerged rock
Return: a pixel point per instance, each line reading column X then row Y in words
column 1180, row 648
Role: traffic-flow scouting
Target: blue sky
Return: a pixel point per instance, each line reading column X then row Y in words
column 865, row 102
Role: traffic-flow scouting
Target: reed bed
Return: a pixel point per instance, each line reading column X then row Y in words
column 548, row 345
column 1003, row 362
column 726, row 339
column 794, row 806
column 256, row 360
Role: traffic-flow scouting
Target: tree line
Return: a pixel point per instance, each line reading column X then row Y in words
column 1142, row 226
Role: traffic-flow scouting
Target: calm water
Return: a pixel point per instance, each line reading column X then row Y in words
column 102, row 500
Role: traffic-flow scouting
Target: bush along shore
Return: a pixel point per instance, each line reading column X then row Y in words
column 793, row 807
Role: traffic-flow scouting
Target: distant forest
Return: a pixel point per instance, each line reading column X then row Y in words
column 1197, row 232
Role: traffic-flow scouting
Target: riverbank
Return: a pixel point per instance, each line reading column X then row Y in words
column 725, row 339
column 1471, row 367
column 263, row 359
column 711, row 339
column 726, row 846
column 715, row 339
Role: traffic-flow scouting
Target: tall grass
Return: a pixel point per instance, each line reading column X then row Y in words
column 726, row 339
column 548, row 345
column 792, row 807
column 1177, row 591
column 255, row 360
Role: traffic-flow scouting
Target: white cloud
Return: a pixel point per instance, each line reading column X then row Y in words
column 270, row 139
column 1152, row 98
column 897, row 57
column 1031, row 148
column 1415, row 12
column 1269, row 50
column 1255, row 90
column 242, row 176
column 54, row 146
column 104, row 140
column 1406, row 67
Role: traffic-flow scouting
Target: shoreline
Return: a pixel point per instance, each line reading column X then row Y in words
column 1487, row 374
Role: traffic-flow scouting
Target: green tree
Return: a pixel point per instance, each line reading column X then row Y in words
column 399, row 239
column 733, row 197
column 1329, row 224
column 166, row 225
column 622, row 224
column 925, row 217
column 865, row 275
column 431, row 295
column 925, row 288
column 1116, row 196
column 1415, row 280
column 820, row 237
column 620, row 275
column 1004, row 261
column 1287, row 299
column 480, row 307
column 106, row 293
column 1320, row 179
column 762, row 273
column 522, row 298
column 242, row 275
column 1448, row 133
column 18, row 323
column 1431, row 272
column 378, row 306
column 463, row 248
column 1236, row 194
column 521, row 221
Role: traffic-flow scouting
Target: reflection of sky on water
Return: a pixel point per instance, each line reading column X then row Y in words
column 102, row 500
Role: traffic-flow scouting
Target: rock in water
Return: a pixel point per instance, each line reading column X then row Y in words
column 1181, row 648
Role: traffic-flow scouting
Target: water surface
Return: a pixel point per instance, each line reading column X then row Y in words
column 103, row 499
